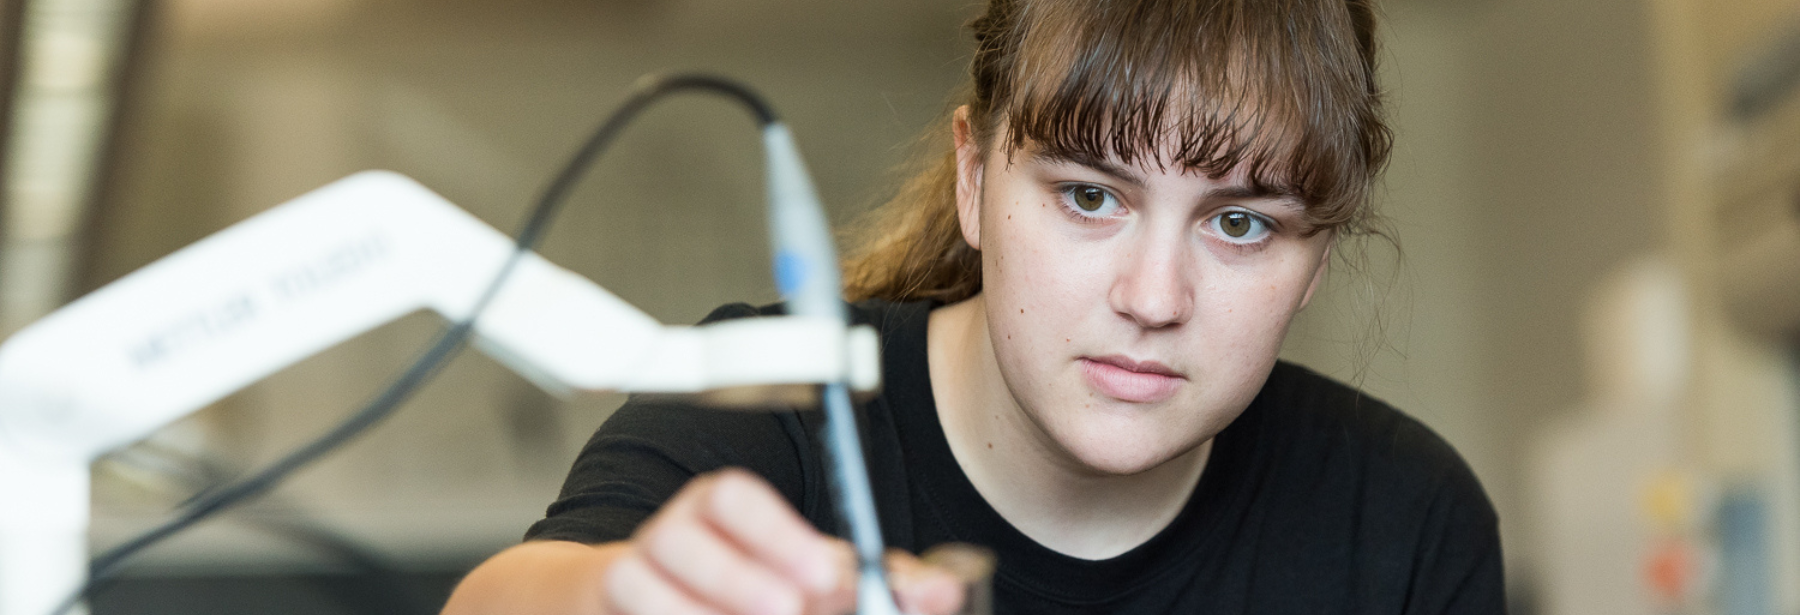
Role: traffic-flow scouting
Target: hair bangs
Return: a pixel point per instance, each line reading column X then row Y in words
column 1213, row 87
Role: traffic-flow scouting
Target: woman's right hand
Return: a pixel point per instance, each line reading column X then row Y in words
column 726, row 544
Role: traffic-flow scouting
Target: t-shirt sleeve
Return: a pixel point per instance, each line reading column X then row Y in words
column 651, row 447
column 1367, row 488
column 1458, row 568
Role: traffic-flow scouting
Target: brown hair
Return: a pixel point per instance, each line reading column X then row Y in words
column 1286, row 87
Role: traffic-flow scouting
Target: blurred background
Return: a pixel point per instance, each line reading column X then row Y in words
column 1594, row 296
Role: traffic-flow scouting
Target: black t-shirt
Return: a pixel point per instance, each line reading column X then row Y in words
column 1317, row 499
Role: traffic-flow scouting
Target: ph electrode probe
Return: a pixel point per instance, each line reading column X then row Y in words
column 116, row 365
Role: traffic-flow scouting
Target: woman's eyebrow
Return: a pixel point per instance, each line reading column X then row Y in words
column 1276, row 196
column 1259, row 192
column 1104, row 166
column 1250, row 192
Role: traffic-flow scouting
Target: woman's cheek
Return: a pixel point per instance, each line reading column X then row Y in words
column 1057, row 280
column 1033, row 286
column 1016, row 260
column 1256, row 303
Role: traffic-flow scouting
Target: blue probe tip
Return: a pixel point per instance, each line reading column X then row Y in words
column 791, row 271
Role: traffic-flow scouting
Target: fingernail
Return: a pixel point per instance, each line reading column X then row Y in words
column 822, row 574
column 825, row 570
column 779, row 603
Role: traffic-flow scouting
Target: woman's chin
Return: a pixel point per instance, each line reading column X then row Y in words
column 1122, row 453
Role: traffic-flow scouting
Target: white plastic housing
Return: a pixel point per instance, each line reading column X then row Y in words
column 216, row 316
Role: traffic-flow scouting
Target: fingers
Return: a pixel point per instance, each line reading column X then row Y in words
column 708, row 565
column 841, row 599
column 729, row 544
column 760, row 520
column 921, row 588
column 633, row 586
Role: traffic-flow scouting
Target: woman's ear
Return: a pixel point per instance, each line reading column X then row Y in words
column 968, row 178
column 1318, row 274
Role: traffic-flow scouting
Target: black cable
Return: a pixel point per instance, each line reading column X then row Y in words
column 375, row 586
column 647, row 91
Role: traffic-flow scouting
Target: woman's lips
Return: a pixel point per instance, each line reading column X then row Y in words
column 1126, row 380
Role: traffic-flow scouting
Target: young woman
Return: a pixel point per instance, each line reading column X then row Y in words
column 1081, row 306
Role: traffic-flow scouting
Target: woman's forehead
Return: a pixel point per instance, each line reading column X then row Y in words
column 1255, row 177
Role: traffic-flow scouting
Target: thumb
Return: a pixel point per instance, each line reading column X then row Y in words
column 952, row 579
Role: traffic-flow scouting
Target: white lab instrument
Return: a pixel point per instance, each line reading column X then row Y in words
column 216, row 316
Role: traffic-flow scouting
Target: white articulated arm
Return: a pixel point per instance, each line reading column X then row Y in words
column 546, row 325
column 227, row 311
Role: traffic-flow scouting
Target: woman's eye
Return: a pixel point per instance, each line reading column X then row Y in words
column 1089, row 198
column 1090, row 201
column 1240, row 227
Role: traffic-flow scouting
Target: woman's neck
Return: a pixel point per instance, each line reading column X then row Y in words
column 1032, row 481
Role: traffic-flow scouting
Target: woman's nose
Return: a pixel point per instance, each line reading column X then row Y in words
column 1154, row 288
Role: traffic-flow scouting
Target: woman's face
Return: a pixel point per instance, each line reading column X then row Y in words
column 1134, row 310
